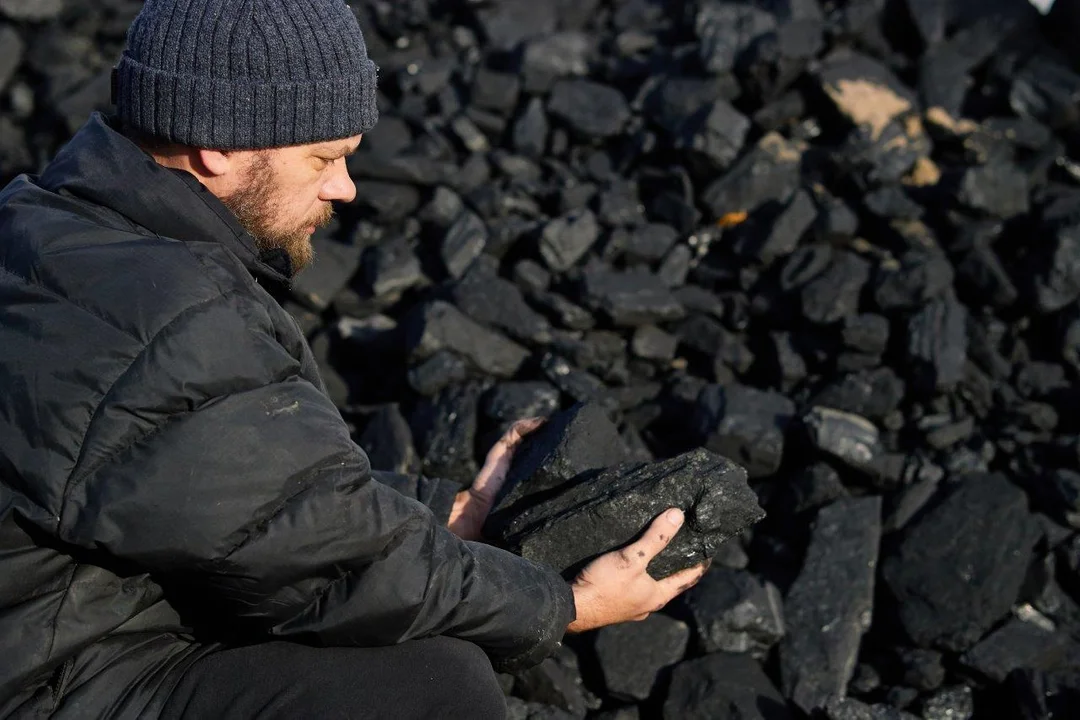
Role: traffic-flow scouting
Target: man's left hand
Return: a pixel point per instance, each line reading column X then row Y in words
column 471, row 507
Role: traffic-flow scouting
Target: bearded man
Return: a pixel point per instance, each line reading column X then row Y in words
column 187, row 529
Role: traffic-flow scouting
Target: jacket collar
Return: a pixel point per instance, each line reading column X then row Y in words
column 102, row 166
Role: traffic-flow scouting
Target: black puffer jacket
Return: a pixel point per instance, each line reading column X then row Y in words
column 172, row 473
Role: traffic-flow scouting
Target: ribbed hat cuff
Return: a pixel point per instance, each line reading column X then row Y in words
column 219, row 114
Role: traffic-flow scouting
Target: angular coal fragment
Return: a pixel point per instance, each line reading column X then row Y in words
column 437, row 325
column 555, row 682
column 846, row 436
column 511, row 401
column 580, row 385
column 788, row 364
column 1000, row 189
column 982, row 271
column 1057, row 492
column 441, row 370
column 864, row 91
column 717, row 135
column 1057, row 272
column 816, row 486
column 726, row 30
column 867, row 333
column 555, row 56
column 565, row 240
column 835, row 294
column 607, row 510
column 937, row 343
column 951, row 703
column 735, row 612
column 388, row 442
column 652, row 343
column 873, row 394
column 561, row 310
column 921, row 277
column 633, row 297
column 570, row 443
column 463, row 243
column 831, row 603
column 1036, row 645
column 496, row 302
column 589, row 108
column 446, row 430
column 776, row 59
column 957, row 568
column 386, row 201
column 651, row 242
column 530, row 131
column 496, row 91
column 392, row 267
column 507, row 23
column 746, row 424
column 771, row 171
column 779, row 236
column 632, row 654
column 922, row 669
column 723, row 685
column 317, row 285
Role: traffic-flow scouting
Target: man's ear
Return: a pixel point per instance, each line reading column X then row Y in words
column 217, row 163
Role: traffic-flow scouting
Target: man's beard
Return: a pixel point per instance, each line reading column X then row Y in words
column 256, row 206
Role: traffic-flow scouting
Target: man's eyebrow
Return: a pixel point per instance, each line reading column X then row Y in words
column 341, row 150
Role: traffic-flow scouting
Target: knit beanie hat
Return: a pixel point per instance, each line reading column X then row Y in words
column 246, row 74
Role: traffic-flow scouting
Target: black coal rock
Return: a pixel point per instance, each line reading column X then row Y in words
column 631, row 655
column 1057, row 274
column 388, row 442
column 652, row 343
column 438, row 326
column 439, row 371
column 607, row 510
column 831, row 603
column 835, row 293
column 866, row 333
column 496, row 302
column 874, row 394
column 392, row 267
column 937, row 343
column 958, row 567
column 952, row 703
column 727, row 29
column 555, row 682
column 771, row 171
column 920, row 278
column 746, row 424
column 463, row 243
column 446, row 430
column 630, row 298
column 511, row 401
column 735, row 612
column 589, row 108
column 318, row 284
column 567, row 239
column 518, row 709
column 1000, row 190
column 851, row 709
column 722, row 686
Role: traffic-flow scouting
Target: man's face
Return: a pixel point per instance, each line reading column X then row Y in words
column 284, row 194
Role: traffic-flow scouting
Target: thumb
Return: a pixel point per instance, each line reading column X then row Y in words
column 658, row 535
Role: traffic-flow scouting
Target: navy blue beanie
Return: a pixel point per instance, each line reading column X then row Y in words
column 246, row 74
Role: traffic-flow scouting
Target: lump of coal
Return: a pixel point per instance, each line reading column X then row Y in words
column 1000, row 189
column 589, row 108
column 511, row 401
column 937, row 343
column 570, row 443
column 835, row 293
column 392, row 267
column 723, row 685
column 920, row 278
column 726, row 30
column 446, row 430
column 437, row 325
column 1032, row 644
column 874, row 394
column 746, row 424
column 565, row 240
column 652, row 343
column 388, row 442
column 771, row 171
column 866, row 333
column 555, row 682
column 632, row 654
column 1057, row 275
column 831, row 603
column 494, row 301
column 958, row 567
column 864, row 91
column 735, row 612
column 463, row 243
column 607, row 510
column 633, row 297
column 441, row 370
column 318, row 284
column 951, row 703
column 845, row 436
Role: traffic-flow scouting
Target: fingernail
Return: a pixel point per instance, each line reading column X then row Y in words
column 674, row 516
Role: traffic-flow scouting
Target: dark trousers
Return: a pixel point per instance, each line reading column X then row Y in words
column 434, row 678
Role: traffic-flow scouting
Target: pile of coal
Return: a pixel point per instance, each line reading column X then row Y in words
column 835, row 243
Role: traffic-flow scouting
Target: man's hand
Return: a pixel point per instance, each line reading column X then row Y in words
column 615, row 588
column 471, row 507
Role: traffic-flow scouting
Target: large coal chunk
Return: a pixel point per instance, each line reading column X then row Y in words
column 735, row 612
column 723, row 686
column 632, row 654
column 634, row 297
column 591, row 109
column 834, row 294
column 570, row 443
column 958, row 568
column 746, row 424
column 831, row 603
column 496, row 302
column 937, row 343
column 446, row 430
column 439, row 326
column 1035, row 644
column 846, row 436
column 608, row 510
column 769, row 172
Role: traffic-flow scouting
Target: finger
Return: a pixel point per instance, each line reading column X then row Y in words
column 492, row 475
column 657, row 536
column 682, row 581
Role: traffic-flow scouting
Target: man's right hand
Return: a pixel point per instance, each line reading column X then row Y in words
column 615, row 587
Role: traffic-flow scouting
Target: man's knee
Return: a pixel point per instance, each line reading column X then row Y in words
column 472, row 688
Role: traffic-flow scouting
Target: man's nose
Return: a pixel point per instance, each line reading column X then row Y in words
column 339, row 187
